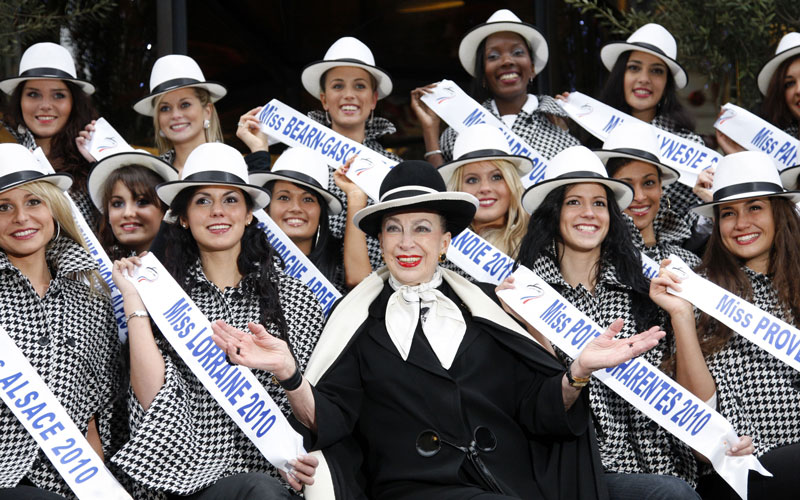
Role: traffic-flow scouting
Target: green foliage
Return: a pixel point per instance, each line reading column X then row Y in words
column 728, row 41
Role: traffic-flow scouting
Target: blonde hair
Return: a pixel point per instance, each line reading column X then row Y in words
column 61, row 212
column 213, row 133
column 508, row 237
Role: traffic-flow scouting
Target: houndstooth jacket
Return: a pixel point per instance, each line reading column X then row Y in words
column 629, row 441
column 185, row 441
column 70, row 338
column 533, row 128
column 671, row 231
column 376, row 127
column 757, row 393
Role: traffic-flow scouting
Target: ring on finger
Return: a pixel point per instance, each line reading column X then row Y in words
column 240, row 124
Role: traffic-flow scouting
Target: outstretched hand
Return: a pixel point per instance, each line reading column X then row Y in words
column 606, row 351
column 261, row 350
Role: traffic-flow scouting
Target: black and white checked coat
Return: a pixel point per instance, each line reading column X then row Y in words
column 756, row 392
column 185, row 441
column 533, row 128
column 376, row 127
column 670, row 231
column 629, row 441
column 70, row 337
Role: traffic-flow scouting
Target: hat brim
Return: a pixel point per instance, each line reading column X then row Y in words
column 169, row 190
column 789, row 178
column 335, row 205
column 765, row 75
column 468, row 48
column 314, row 71
column 10, row 84
column 13, row 181
column 522, row 164
column 457, row 208
column 98, row 175
column 668, row 174
column 611, row 52
column 535, row 195
column 145, row 105
column 707, row 209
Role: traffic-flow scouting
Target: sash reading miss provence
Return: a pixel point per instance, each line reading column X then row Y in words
column 234, row 387
column 755, row 134
column 638, row 382
column 685, row 155
column 775, row 336
column 39, row 411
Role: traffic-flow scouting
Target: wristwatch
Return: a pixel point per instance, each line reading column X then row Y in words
column 577, row 382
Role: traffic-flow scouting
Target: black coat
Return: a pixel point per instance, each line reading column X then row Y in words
column 371, row 406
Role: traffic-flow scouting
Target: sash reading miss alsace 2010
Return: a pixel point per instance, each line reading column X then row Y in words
column 234, row 387
column 49, row 424
column 756, row 134
column 637, row 381
column 685, row 155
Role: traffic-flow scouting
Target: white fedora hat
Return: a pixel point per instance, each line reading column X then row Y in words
column 482, row 142
column 105, row 167
column 575, row 165
column 636, row 141
column 46, row 60
column 346, row 51
column 788, row 47
column 214, row 164
column 744, row 175
column 653, row 39
column 503, row 20
column 789, row 177
column 172, row 72
column 18, row 166
column 304, row 167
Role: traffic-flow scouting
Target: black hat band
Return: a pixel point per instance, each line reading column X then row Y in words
column 298, row 176
column 645, row 155
column 481, row 153
column 652, row 47
column 582, row 174
column 214, row 176
column 19, row 177
column 174, row 83
column 46, row 73
column 747, row 187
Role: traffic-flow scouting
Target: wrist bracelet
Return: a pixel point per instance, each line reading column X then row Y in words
column 139, row 313
column 294, row 382
column 431, row 153
column 577, row 382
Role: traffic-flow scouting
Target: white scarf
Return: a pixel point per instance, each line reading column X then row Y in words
column 442, row 321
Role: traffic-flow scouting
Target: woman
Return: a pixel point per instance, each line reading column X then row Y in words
column 182, row 442
column 579, row 243
column 53, row 310
column 349, row 86
column 418, row 366
column 754, row 253
column 503, row 56
column 181, row 103
column 48, row 106
column 299, row 205
column 484, row 168
column 630, row 154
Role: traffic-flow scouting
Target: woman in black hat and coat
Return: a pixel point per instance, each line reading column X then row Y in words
column 422, row 387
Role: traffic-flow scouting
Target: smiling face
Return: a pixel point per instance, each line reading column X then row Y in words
column 507, row 65
column 349, row 96
column 181, row 115
column 134, row 220
column 747, row 230
column 644, row 84
column 647, row 193
column 584, row 217
column 26, row 224
column 217, row 216
column 411, row 244
column 791, row 86
column 296, row 210
column 485, row 181
column 46, row 105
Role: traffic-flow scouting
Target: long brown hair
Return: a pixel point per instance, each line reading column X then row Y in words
column 774, row 108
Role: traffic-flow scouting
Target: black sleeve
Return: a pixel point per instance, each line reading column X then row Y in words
column 542, row 412
column 258, row 162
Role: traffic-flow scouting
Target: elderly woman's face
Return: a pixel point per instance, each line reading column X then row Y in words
column 412, row 243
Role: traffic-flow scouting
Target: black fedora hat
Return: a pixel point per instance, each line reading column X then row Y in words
column 416, row 185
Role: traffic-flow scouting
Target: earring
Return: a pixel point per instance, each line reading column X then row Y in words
column 58, row 232
column 371, row 116
column 327, row 117
column 161, row 133
column 183, row 225
column 206, row 124
column 442, row 257
column 669, row 205
column 20, row 129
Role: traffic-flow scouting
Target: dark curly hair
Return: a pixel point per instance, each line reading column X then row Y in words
column 257, row 258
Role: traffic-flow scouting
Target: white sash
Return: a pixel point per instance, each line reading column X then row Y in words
column 772, row 334
column 297, row 264
column 104, row 263
column 685, row 155
column 39, row 411
column 649, row 267
column 756, row 134
column 234, row 387
column 460, row 111
column 637, row 381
